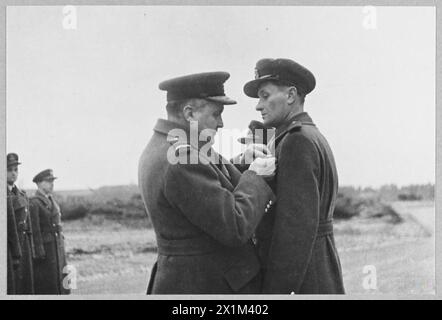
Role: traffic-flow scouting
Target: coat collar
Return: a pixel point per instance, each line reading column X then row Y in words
column 302, row 117
column 165, row 126
column 43, row 197
column 16, row 191
column 179, row 134
column 217, row 161
column 296, row 121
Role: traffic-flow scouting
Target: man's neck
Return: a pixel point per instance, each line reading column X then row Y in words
column 10, row 186
column 288, row 119
column 46, row 194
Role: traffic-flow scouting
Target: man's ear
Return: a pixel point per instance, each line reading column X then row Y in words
column 188, row 112
column 292, row 95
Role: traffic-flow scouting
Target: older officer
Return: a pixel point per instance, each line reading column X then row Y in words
column 48, row 237
column 21, row 252
column 296, row 240
column 203, row 212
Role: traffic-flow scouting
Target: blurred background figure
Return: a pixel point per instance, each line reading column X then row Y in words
column 257, row 133
column 48, row 237
column 20, row 245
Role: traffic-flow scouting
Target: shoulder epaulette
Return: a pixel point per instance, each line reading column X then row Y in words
column 295, row 125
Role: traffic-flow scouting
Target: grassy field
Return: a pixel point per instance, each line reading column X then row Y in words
column 112, row 258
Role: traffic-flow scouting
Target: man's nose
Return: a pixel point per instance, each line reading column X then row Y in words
column 259, row 107
column 220, row 123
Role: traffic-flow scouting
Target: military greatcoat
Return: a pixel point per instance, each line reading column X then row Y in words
column 14, row 248
column 295, row 240
column 24, row 274
column 204, row 215
column 49, row 245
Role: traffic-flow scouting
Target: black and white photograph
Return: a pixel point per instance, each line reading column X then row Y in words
column 272, row 150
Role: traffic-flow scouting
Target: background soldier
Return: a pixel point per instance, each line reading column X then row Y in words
column 203, row 214
column 23, row 279
column 257, row 133
column 296, row 240
column 48, row 237
column 14, row 249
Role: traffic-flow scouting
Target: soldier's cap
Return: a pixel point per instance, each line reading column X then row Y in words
column 257, row 132
column 283, row 71
column 207, row 85
column 47, row 174
column 12, row 160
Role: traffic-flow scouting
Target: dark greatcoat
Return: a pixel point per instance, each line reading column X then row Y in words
column 295, row 239
column 14, row 248
column 24, row 276
column 203, row 216
column 49, row 245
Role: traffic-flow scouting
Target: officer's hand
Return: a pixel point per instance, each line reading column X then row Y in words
column 254, row 151
column 264, row 166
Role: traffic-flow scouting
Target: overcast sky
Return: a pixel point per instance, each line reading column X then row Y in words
column 84, row 101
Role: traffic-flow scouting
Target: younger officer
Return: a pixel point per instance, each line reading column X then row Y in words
column 295, row 240
column 48, row 237
column 20, row 244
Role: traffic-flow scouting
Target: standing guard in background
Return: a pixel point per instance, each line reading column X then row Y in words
column 14, row 249
column 48, row 237
column 20, row 244
column 257, row 133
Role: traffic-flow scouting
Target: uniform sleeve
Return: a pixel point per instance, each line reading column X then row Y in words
column 13, row 239
column 296, row 217
column 229, row 217
column 236, row 161
column 36, row 231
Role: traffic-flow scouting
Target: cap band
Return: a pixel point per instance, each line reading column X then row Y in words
column 195, row 92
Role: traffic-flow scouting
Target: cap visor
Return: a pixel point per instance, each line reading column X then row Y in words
column 251, row 87
column 222, row 99
column 13, row 164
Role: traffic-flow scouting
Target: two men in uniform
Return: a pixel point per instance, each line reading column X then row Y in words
column 203, row 210
column 204, row 214
column 35, row 241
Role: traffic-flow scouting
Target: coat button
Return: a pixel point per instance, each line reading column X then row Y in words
column 254, row 240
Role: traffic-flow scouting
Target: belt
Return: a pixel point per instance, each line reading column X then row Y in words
column 186, row 247
column 23, row 226
column 52, row 229
column 325, row 228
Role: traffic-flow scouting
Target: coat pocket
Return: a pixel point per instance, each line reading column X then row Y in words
column 242, row 272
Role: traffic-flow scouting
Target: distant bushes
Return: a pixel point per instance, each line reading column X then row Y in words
column 409, row 197
column 348, row 207
column 124, row 203
column 108, row 205
column 74, row 207
column 391, row 192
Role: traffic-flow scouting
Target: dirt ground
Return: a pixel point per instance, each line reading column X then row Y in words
column 377, row 257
